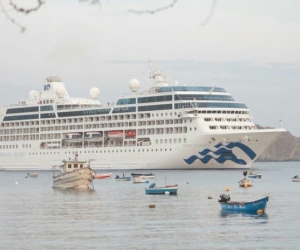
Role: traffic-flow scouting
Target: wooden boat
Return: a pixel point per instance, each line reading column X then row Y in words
column 103, row 176
column 124, row 178
column 245, row 183
column 115, row 134
column 73, row 174
column 296, row 179
column 139, row 180
column 152, row 189
column 244, row 207
column 144, row 176
column 33, row 175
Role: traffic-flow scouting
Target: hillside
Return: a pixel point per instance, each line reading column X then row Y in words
column 285, row 148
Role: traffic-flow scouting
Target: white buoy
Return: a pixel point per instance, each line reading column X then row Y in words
column 16, row 183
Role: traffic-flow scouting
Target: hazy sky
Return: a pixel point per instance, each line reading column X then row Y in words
column 249, row 47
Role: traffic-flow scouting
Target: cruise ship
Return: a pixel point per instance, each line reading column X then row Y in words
column 169, row 126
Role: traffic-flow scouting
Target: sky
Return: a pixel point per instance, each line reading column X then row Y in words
column 250, row 48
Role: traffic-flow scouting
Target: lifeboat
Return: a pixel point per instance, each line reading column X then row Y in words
column 115, row 134
column 130, row 133
column 73, row 137
column 93, row 136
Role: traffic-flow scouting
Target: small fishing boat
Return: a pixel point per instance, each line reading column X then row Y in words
column 145, row 176
column 124, row 178
column 139, row 180
column 244, row 207
column 253, row 175
column 152, row 189
column 73, row 174
column 245, row 183
column 103, row 176
column 296, row 178
column 33, row 175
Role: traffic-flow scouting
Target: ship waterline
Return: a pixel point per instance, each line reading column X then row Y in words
column 166, row 127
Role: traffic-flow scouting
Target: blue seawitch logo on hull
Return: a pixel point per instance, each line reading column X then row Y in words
column 224, row 153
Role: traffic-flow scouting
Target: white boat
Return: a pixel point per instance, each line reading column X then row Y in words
column 73, row 174
column 93, row 136
column 296, row 179
column 173, row 126
column 73, row 138
column 143, row 176
column 139, row 180
column 32, row 175
column 245, row 183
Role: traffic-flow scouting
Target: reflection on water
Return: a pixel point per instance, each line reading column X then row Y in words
column 116, row 214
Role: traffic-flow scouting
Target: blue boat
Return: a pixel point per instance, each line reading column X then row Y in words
column 161, row 190
column 243, row 207
column 124, row 178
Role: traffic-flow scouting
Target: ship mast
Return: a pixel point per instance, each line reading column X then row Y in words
column 157, row 75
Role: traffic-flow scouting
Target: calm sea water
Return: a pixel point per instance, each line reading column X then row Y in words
column 116, row 215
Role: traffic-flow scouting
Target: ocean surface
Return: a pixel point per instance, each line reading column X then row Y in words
column 116, row 215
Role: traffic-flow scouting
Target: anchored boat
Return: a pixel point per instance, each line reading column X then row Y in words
column 73, row 174
column 256, row 206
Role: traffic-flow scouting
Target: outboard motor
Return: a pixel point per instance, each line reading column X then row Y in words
column 245, row 173
column 224, row 198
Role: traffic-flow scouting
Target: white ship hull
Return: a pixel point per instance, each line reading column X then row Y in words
column 175, row 156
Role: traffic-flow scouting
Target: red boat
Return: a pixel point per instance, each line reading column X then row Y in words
column 102, row 176
column 130, row 133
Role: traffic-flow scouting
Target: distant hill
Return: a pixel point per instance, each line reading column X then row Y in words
column 285, row 148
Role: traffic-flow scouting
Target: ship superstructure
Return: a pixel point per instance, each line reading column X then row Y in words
column 165, row 127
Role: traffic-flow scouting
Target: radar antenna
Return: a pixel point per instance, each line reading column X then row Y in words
column 157, row 75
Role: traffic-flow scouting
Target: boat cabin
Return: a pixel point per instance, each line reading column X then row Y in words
column 70, row 166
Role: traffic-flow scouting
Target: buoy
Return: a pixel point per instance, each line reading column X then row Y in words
column 152, row 206
column 166, row 193
column 209, row 197
column 260, row 211
column 227, row 189
column 16, row 183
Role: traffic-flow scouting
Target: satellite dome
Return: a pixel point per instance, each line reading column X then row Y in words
column 32, row 95
column 134, row 85
column 94, row 93
column 60, row 92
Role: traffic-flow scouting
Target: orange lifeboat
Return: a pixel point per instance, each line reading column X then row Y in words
column 130, row 133
column 115, row 134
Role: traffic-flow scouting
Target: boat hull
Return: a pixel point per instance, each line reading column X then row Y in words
column 197, row 153
column 162, row 190
column 245, row 207
column 139, row 180
column 245, row 183
column 296, row 180
column 254, row 176
column 78, row 179
column 103, row 176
